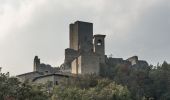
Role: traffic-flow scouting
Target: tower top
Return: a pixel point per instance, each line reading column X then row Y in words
column 99, row 35
column 81, row 22
column 36, row 57
column 81, row 36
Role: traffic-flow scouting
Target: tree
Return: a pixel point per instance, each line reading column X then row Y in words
column 94, row 88
column 12, row 89
column 161, row 81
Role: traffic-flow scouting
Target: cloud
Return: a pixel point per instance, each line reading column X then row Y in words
column 151, row 33
column 148, row 35
column 40, row 27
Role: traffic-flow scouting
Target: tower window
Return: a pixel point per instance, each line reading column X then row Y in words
column 56, row 83
column 99, row 42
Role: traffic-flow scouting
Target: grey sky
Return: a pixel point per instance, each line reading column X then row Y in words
column 40, row 27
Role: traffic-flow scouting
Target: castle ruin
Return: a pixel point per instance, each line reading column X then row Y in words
column 86, row 51
column 85, row 55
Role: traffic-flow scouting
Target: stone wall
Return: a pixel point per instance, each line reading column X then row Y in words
column 70, row 55
column 89, row 64
column 99, row 47
column 47, row 69
column 142, row 63
column 86, row 64
column 133, row 60
column 116, row 61
column 43, row 68
column 54, row 78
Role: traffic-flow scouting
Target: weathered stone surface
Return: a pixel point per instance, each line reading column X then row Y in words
column 43, row 68
column 99, row 47
column 86, row 64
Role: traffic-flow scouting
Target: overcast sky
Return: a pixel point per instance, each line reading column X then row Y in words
column 41, row 27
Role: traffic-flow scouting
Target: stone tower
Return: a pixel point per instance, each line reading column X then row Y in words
column 81, row 40
column 36, row 63
column 99, row 47
column 81, row 36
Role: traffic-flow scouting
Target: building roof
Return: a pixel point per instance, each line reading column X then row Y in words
column 30, row 73
column 39, row 77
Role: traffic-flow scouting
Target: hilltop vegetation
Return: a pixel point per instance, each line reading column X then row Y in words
column 90, row 87
column 119, row 82
column 12, row 89
column 147, row 82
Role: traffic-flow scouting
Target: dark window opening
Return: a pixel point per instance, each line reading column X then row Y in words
column 99, row 42
column 56, row 83
column 46, row 71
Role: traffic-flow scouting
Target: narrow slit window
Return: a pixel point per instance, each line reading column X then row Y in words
column 56, row 83
column 99, row 42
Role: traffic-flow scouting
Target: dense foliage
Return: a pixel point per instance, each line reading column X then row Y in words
column 144, row 82
column 90, row 87
column 118, row 82
column 12, row 89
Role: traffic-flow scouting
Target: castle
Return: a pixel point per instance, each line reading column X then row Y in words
column 85, row 55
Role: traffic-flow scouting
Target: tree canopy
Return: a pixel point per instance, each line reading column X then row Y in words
column 119, row 82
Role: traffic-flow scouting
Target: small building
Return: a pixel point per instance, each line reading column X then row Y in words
column 53, row 78
column 40, row 71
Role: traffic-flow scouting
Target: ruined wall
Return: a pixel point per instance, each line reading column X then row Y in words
column 115, row 60
column 74, row 66
column 36, row 63
column 142, row 63
column 133, row 60
column 43, row 68
column 86, row 64
column 70, row 55
column 47, row 69
column 65, row 68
